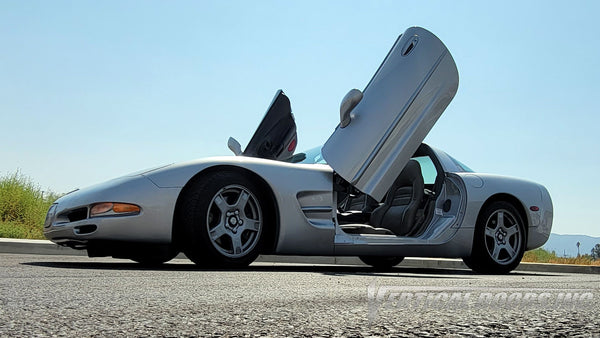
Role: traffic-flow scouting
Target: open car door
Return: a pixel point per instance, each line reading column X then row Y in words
column 275, row 137
column 399, row 106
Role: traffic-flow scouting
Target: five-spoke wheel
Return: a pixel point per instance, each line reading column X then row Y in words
column 499, row 241
column 234, row 221
column 221, row 220
column 503, row 238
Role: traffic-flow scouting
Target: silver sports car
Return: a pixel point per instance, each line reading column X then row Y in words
column 373, row 190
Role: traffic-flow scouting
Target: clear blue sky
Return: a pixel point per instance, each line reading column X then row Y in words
column 90, row 90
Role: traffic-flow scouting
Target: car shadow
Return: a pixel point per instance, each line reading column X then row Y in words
column 334, row 270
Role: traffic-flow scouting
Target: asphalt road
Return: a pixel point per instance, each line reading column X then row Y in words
column 79, row 296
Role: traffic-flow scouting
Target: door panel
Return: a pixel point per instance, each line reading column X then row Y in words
column 406, row 96
column 275, row 138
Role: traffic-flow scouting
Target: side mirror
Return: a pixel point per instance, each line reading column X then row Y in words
column 234, row 146
column 348, row 103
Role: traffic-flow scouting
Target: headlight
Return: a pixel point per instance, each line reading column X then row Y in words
column 114, row 208
column 50, row 215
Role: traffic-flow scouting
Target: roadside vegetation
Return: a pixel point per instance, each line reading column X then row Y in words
column 23, row 207
column 542, row 256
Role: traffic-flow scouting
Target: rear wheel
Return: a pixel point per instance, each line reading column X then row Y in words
column 222, row 219
column 381, row 262
column 499, row 241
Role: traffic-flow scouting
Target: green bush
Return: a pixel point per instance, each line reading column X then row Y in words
column 539, row 255
column 23, row 207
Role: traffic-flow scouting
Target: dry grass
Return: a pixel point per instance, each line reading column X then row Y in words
column 542, row 256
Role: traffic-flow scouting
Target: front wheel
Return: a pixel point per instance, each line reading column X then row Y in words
column 223, row 221
column 499, row 241
column 381, row 262
column 156, row 256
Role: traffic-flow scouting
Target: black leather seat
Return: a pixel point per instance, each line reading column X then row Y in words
column 399, row 209
column 363, row 203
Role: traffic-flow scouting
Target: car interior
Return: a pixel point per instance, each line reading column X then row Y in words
column 406, row 209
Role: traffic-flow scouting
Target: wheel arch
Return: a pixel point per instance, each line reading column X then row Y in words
column 512, row 200
column 482, row 262
column 271, row 210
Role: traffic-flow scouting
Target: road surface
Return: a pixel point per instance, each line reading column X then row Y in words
column 80, row 296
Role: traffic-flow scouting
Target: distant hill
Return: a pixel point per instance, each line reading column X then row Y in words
column 566, row 245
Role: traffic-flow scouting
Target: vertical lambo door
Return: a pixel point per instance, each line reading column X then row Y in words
column 275, row 138
column 382, row 127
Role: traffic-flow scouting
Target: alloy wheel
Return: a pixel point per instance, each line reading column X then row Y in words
column 234, row 221
column 503, row 238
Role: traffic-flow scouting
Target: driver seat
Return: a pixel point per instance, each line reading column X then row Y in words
column 399, row 209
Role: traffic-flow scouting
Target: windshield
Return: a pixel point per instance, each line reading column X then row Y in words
column 310, row 156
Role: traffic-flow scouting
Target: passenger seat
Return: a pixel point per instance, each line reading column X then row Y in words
column 399, row 209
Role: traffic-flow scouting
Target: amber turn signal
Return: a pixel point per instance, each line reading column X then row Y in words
column 112, row 208
column 125, row 208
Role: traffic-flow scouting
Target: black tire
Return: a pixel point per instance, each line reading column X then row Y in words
column 499, row 240
column 469, row 263
column 381, row 262
column 222, row 220
column 156, row 257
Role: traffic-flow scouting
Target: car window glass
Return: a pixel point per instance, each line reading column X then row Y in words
column 427, row 169
column 310, row 156
column 318, row 158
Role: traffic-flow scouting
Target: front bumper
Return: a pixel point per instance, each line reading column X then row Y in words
column 68, row 222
